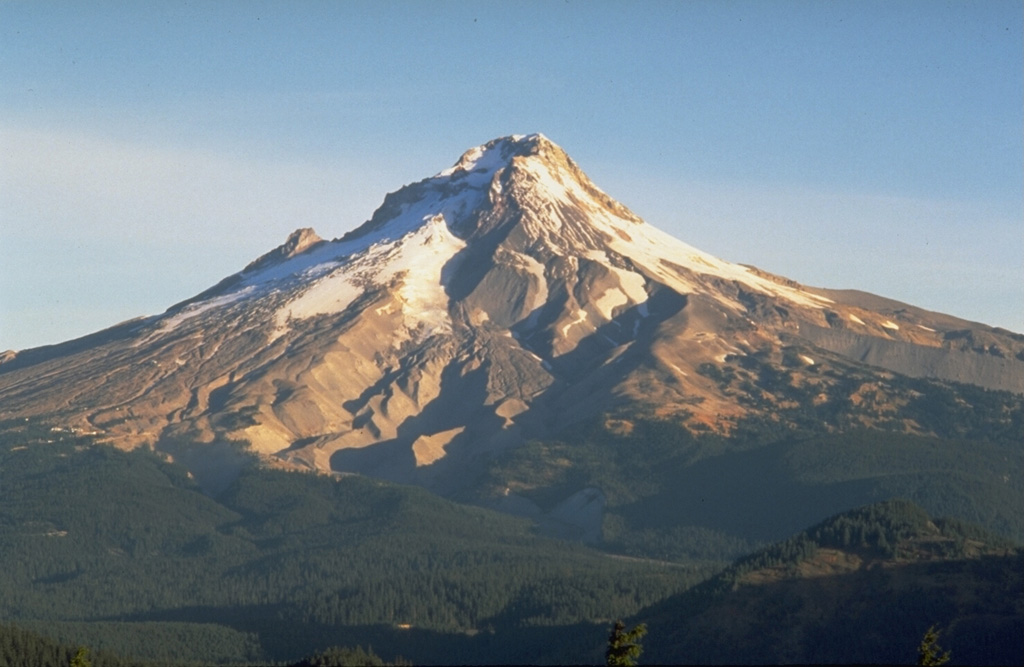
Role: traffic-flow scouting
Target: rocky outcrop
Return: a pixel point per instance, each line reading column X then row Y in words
column 970, row 367
column 297, row 242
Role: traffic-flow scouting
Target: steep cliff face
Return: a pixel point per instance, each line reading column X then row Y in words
column 505, row 298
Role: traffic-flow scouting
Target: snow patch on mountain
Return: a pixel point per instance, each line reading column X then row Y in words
column 658, row 252
column 632, row 284
column 609, row 300
column 169, row 323
column 555, row 192
column 412, row 264
column 579, row 317
column 479, row 164
column 448, row 197
column 306, row 265
column 331, row 294
column 422, row 261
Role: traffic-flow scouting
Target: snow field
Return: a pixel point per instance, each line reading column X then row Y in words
column 417, row 260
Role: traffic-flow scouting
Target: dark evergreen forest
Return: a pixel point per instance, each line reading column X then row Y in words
column 122, row 552
column 790, row 603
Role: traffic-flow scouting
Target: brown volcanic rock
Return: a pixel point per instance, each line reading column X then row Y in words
column 297, row 242
column 504, row 298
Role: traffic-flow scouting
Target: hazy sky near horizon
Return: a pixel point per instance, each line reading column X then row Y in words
column 149, row 149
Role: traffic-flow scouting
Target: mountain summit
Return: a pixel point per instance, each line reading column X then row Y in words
column 503, row 299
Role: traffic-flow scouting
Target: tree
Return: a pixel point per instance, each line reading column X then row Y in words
column 929, row 652
column 624, row 647
column 81, row 658
column 344, row 657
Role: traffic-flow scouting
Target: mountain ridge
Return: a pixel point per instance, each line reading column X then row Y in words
column 505, row 298
column 861, row 586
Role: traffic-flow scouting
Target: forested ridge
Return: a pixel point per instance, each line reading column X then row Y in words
column 859, row 587
column 22, row 648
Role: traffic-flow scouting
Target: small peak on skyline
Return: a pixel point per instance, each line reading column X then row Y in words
column 298, row 241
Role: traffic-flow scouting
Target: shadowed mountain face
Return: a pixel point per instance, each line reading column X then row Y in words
column 505, row 298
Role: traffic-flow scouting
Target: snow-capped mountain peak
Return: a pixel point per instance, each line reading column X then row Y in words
column 483, row 161
column 511, row 225
column 500, row 299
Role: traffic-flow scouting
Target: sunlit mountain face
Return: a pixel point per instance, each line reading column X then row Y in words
column 505, row 299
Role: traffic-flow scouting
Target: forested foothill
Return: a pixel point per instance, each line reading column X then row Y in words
column 122, row 551
column 280, row 566
column 861, row 587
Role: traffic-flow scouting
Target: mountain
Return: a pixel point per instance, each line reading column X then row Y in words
column 503, row 334
column 860, row 587
column 506, row 299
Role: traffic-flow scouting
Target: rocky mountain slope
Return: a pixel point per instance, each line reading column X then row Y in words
column 504, row 299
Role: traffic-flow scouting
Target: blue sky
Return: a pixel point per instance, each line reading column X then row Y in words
column 148, row 149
